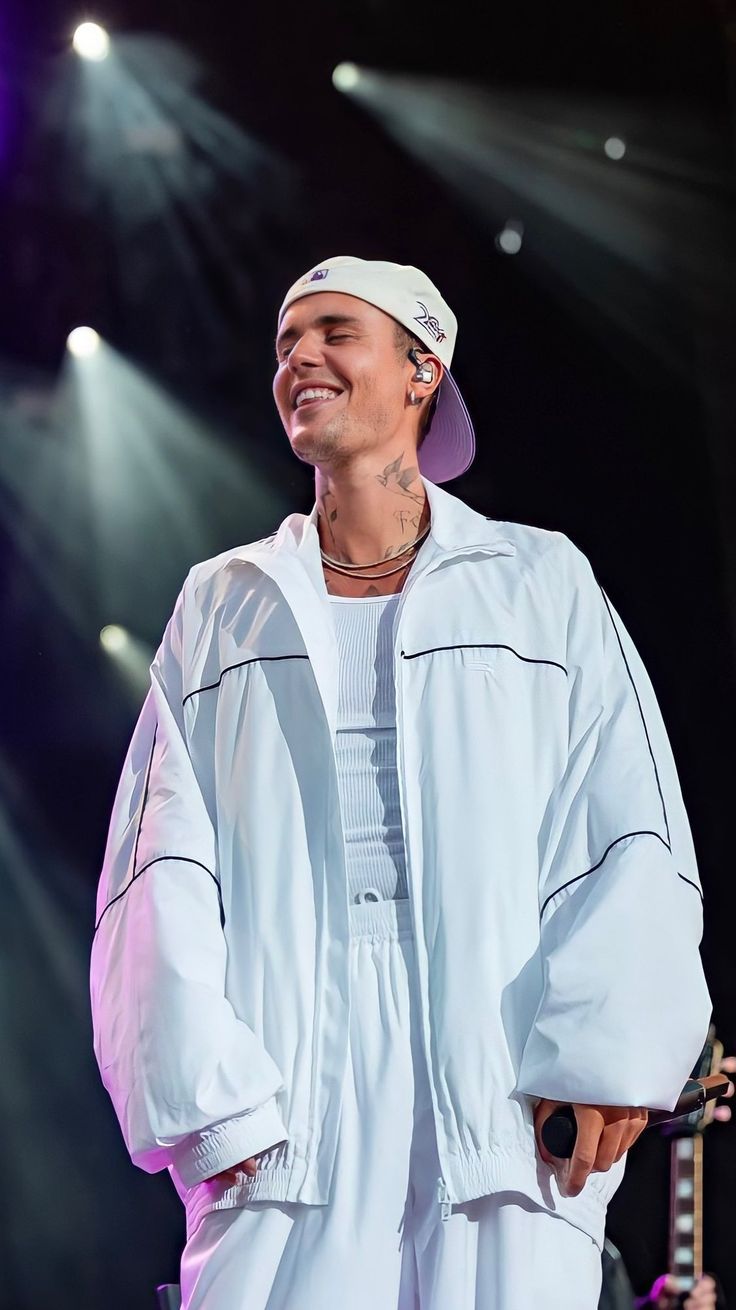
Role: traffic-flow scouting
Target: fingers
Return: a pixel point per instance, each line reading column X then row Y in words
column 230, row 1176
column 604, row 1134
column 729, row 1066
column 718, row 1111
column 611, row 1146
column 663, row 1295
column 619, row 1135
column 703, row 1295
column 637, row 1122
column 590, row 1130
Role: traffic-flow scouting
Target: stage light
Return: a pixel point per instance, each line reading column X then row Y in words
column 130, row 658
column 91, row 41
column 345, row 77
column 82, row 342
column 114, row 639
column 509, row 241
column 614, row 147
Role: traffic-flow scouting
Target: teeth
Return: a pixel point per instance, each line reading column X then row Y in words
column 315, row 393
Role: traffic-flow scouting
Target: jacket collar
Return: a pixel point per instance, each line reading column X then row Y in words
column 293, row 554
column 455, row 528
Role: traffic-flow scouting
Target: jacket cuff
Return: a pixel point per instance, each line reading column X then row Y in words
column 202, row 1154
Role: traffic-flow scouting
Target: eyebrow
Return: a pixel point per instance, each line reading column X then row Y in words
column 324, row 320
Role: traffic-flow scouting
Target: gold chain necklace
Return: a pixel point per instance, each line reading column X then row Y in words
column 351, row 570
column 350, row 573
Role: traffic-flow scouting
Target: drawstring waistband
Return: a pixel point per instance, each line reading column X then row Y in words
column 381, row 920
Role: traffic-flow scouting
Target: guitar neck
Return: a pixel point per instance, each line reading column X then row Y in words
column 686, row 1210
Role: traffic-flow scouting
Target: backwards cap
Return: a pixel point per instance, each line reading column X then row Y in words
column 413, row 300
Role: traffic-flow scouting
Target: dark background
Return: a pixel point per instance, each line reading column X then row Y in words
column 170, row 206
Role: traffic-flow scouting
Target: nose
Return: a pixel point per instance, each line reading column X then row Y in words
column 305, row 353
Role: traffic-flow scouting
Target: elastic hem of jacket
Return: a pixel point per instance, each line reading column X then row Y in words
column 517, row 1168
column 279, row 1184
column 224, row 1145
column 513, row 1168
column 625, row 837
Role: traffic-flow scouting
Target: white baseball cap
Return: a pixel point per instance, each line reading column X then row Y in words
column 413, row 300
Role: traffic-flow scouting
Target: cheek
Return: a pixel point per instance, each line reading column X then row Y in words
column 375, row 388
column 382, row 395
column 280, row 387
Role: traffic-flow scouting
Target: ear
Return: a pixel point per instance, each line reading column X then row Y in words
column 426, row 385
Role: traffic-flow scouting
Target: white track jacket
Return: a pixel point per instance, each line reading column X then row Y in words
column 552, row 880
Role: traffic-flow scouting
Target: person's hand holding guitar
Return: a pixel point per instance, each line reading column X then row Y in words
column 665, row 1296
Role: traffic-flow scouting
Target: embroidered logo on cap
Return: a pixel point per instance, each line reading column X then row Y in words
column 318, row 275
column 431, row 323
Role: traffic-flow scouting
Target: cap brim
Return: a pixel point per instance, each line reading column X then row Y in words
column 449, row 447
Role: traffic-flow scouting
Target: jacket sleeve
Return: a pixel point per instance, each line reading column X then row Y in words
column 624, row 1010
column 191, row 1083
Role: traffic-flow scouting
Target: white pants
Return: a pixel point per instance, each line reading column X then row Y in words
column 380, row 1243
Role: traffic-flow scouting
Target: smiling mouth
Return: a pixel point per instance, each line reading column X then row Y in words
column 312, row 396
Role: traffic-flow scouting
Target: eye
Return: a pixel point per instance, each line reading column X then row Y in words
column 338, row 336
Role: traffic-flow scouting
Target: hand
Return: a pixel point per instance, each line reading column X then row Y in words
column 605, row 1133
column 665, row 1296
column 723, row 1112
column 249, row 1167
column 702, row 1296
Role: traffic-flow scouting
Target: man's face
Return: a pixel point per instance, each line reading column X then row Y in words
column 340, row 385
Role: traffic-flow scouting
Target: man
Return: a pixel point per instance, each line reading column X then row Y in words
column 398, row 864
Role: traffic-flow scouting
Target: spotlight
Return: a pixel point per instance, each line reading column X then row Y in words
column 510, row 239
column 345, row 77
column 82, row 342
column 91, row 41
column 614, row 147
column 113, row 638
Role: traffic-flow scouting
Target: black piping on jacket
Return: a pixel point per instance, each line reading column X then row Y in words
column 184, row 859
column 665, row 842
column 255, row 659
column 483, row 645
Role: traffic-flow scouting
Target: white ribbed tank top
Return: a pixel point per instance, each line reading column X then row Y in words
column 366, row 748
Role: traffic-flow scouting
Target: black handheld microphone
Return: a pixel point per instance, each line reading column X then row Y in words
column 560, row 1131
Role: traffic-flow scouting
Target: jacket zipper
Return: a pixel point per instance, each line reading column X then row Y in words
column 443, row 1194
column 443, row 1197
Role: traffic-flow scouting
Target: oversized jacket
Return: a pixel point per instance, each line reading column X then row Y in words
column 552, row 880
